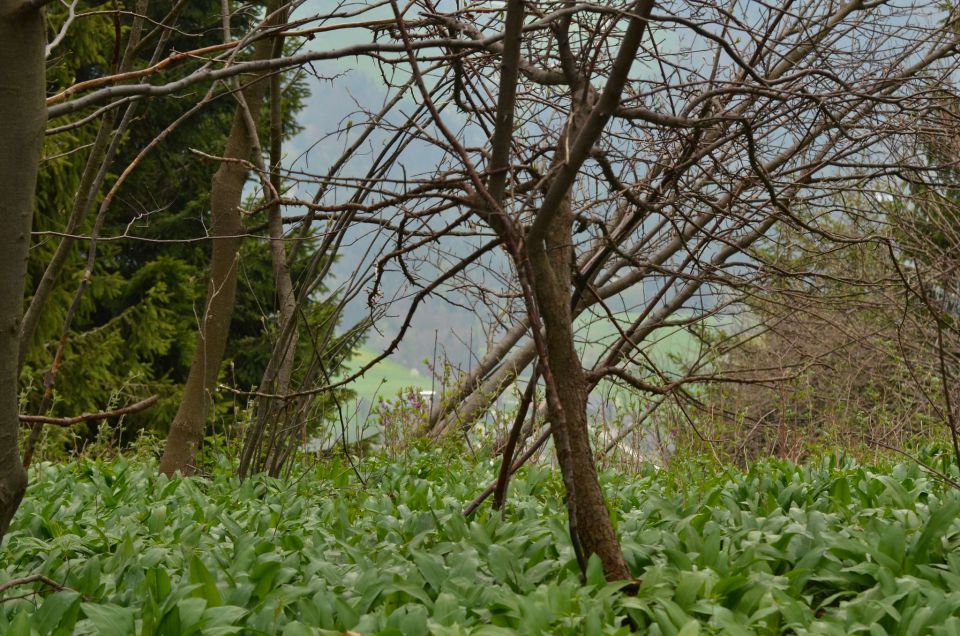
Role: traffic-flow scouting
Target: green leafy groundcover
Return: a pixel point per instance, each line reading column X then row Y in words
column 825, row 548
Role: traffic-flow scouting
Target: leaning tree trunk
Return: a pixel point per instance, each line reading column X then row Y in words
column 23, row 113
column 551, row 285
column 551, row 267
column 186, row 431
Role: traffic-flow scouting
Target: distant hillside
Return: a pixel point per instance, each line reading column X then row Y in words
column 385, row 379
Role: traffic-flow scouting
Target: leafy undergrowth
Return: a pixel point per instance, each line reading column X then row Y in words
column 825, row 548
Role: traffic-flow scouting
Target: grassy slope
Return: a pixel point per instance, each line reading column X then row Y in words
column 388, row 377
column 385, row 379
column 827, row 548
column 661, row 346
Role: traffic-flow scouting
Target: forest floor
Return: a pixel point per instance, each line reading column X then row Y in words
column 828, row 547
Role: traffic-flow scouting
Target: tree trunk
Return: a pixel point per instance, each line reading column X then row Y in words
column 186, row 431
column 23, row 112
column 551, row 264
column 571, row 439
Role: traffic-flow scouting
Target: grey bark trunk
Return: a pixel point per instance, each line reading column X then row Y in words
column 186, row 431
column 286, row 298
column 23, row 112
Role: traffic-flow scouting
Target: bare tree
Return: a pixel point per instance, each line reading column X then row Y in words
column 638, row 177
column 732, row 159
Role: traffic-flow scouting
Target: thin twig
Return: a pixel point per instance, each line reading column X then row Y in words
column 33, row 578
column 930, row 469
column 89, row 417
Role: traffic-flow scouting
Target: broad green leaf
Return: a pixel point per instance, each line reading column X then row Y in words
column 200, row 575
column 191, row 611
column 692, row 628
column 431, row 567
column 223, row 615
column 58, row 613
column 109, row 620
column 595, row 571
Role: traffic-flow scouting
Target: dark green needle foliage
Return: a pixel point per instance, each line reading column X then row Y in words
column 136, row 327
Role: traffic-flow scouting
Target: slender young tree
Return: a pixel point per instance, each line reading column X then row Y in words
column 186, row 431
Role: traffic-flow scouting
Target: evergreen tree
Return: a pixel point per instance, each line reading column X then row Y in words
column 135, row 329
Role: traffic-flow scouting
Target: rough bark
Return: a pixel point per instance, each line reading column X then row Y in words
column 186, row 431
column 23, row 113
column 551, row 285
column 551, row 265
column 286, row 298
